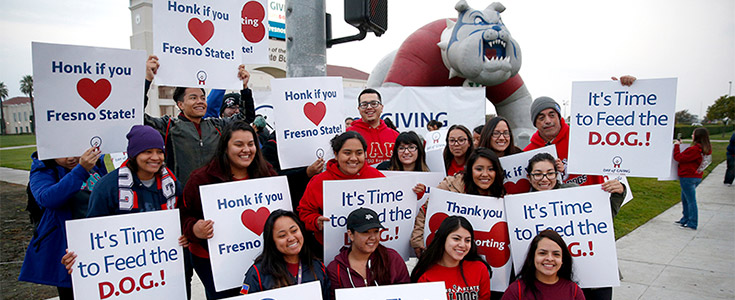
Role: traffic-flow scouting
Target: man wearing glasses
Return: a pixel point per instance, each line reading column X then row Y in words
column 380, row 139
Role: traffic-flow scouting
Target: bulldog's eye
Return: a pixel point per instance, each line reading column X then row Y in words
column 479, row 21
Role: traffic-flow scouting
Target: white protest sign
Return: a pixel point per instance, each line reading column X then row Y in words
column 582, row 217
column 239, row 210
column 436, row 139
column 486, row 214
column 309, row 114
column 411, row 108
column 391, row 198
column 674, row 170
column 130, row 256
column 624, row 181
column 622, row 130
column 305, row 291
column 435, row 161
column 516, row 176
column 85, row 97
column 254, row 27
column 423, row 291
column 118, row 158
column 197, row 43
column 428, row 179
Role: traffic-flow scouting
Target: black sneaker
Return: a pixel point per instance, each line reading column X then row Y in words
column 677, row 222
column 684, row 226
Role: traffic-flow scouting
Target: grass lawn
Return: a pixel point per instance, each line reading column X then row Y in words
column 17, row 140
column 17, row 158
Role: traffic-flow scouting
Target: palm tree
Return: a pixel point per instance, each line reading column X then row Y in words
column 26, row 87
column 3, row 96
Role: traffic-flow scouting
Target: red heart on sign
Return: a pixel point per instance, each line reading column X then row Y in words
column 255, row 220
column 315, row 112
column 434, row 222
column 519, row 187
column 491, row 243
column 201, row 31
column 94, row 92
column 253, row 15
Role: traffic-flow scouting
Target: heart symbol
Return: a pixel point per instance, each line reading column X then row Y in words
column 94, row 92
column 255, row 220
column 315, row 112
column 202, row 31
column 253, row 15
column 519, row 187
column 434, row 222
column 490, row 243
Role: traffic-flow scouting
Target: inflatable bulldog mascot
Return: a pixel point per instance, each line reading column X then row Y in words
column 476, row 50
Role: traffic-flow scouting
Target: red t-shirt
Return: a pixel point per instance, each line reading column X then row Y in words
column 476, row 274
column 561, row 290
column 454, row 168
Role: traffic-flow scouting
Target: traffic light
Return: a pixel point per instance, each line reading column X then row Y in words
column 368, row 15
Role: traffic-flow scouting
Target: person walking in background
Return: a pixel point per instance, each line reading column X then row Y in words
column 730, row 172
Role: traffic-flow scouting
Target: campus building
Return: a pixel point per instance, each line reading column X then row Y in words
column 17, row 115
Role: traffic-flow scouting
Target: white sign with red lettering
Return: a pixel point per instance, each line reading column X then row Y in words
column 429, row 179
column 254, row 26
column 305, row 291
column 516, row 177
column 423, row 291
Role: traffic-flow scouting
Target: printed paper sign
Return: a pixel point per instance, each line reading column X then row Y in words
column 392, row 198
column 624, row 181
column 428, row 179
column 309, row 114
column 118, row 158
column 85, row 97
column 411, row 108
column 436, row 139
column 254, row 27
column 305, row 291
column 435, row 161
column 516, row 176
column 487, row 216
column 239, row 210
column 130, row 256
column 622, row 130
column 423, row 291
column 582, row 217
column 197, row 42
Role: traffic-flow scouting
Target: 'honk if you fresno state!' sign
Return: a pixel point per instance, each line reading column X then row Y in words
column 198, row 42
column 308, row 112
column 85, row 97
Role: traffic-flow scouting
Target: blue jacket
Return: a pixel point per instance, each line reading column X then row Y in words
column 257, row 280
column 60, row 192
column 105, row 198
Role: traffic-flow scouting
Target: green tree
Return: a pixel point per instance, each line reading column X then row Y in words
column 26, row 87
column 3, row 96
column 724, row 107
column 684, row 117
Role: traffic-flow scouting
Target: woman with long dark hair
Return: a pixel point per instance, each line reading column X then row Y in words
column 546, row 272
column 458, row 148
column 238, row 157
column 482, row 176
column 285, row 260
column 692, row 163
column 498, row 136
column 408, row 154
column 452, row 257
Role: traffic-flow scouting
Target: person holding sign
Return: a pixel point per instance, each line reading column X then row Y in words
column 483, row 176
column 371, row 127
column 691, row 165
column 237, row 158
column 546, row 272
column 366, row 262
column 408, row 154
column 62, row 188
column 459, row 146
column 498, row 136
column 452, row 257
column 285, row 260
column 349, row 163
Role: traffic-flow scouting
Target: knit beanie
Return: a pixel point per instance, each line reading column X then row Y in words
column 141, row 138
column 229, row 100
column 542, row 103
column 259, row 122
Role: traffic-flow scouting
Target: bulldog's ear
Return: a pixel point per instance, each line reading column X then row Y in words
column 462, row 6
column 496, row 6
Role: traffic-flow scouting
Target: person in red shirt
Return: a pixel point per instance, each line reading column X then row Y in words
column 379, row 137
column 690, row 171
column 546, row 272
column 452, row 257
column 459, row 146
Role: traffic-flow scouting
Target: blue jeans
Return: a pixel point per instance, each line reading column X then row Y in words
column 730, row 172
column 689, row 200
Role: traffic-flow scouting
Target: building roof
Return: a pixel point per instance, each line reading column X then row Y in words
column 17, row 100
column 346, row 72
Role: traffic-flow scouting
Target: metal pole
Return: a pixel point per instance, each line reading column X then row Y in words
column 729, row 91
column 306, row 42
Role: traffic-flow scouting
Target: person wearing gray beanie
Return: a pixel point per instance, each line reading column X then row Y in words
column 542, row 103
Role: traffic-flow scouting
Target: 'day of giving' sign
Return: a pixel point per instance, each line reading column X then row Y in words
column 85, row 97
column 198, row 43
column 239, row 210
column 130, row 256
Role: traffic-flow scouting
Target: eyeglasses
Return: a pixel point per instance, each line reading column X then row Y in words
column 499, row 133
column 373, row 104
column 539, row 176
column 459, row 141
column 411, row 148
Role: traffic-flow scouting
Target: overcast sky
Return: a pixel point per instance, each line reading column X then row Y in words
column 562, row 41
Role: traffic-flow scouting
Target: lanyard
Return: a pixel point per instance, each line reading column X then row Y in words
column 298, row 280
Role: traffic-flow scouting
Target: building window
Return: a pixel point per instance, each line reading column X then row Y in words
column 28, row 130
column 15, row 118
column 25, row 115
column 16, row 129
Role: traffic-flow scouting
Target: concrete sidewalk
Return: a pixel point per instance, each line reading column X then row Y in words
column 659, row 260
column 14, row 176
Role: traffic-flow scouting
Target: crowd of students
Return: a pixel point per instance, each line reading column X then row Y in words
column 169, row 158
